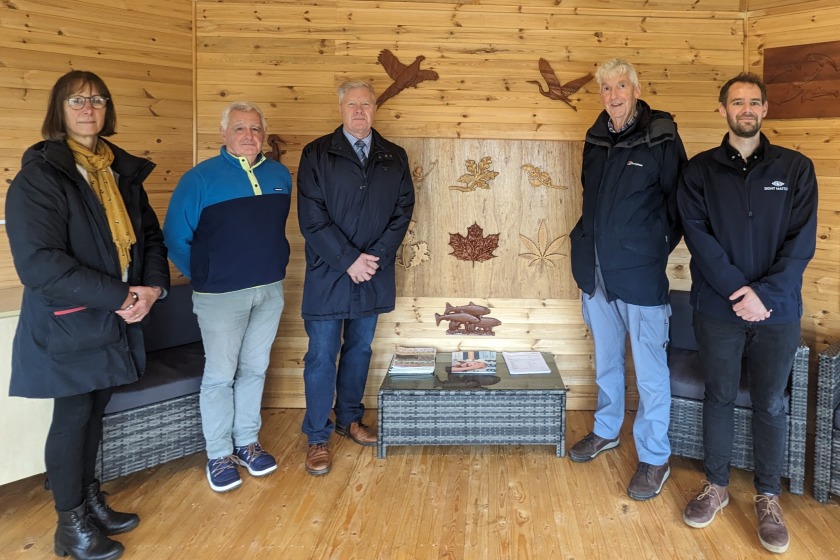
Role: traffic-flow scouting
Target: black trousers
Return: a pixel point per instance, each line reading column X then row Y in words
column 72, row 445
column 769, row 351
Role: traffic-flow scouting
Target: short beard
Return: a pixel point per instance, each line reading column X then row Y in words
column 737, row 129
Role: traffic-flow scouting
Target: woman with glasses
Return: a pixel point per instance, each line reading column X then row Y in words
column 89, row 251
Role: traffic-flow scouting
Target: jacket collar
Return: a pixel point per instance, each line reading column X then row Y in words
column 651, row 128
column 379, row 147
column 58, row 154
column 765, row 150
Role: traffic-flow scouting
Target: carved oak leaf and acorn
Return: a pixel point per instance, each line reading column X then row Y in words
column 478, row 175
column 475, row 246
column 539, row 178
column 542, row 251
column 419, row 250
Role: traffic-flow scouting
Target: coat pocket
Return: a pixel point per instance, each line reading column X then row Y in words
column 81, row 329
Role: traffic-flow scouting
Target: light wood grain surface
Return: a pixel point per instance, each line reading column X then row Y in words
column 459, row 503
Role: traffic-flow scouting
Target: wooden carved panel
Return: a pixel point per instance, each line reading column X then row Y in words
column 803, row 81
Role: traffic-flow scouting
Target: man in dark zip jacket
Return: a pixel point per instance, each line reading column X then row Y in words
column 620, row 246
column 355, row 200
column 750, row 214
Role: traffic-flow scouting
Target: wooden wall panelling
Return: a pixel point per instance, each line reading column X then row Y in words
column 784, row 24
column 144, row 54
column 290, row 56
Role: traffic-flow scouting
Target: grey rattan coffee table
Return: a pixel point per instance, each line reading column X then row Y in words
column 463, row 409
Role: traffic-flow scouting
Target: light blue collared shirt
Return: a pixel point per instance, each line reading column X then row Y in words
column 352, row 139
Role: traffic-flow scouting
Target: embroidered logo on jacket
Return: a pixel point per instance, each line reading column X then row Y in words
column 776, row 186
column 631, row 162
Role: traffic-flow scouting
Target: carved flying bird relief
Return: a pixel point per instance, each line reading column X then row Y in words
column 276, row 144
column 556, row 90
column 403, row 76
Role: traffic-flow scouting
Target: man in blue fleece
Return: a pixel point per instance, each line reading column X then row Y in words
column 226, row 231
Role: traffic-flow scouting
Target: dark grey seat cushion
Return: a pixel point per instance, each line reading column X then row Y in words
column 174, row 355
column 170, row 373
column 684, row 361
column 687, row 378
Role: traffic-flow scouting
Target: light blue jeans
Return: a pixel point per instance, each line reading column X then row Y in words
column 238, row 330
column 610, row 322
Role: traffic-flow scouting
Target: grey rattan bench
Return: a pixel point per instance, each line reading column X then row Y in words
column 827, row 441
column 157, row 419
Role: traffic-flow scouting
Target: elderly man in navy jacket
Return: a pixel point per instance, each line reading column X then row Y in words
column 631, row 163
column 355, row 200
column 750, row 215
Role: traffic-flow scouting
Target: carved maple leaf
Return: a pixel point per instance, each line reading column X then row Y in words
column 474, row 247
column 539, row 178
column 478, row 175
column 542, row 251
column 419, row 250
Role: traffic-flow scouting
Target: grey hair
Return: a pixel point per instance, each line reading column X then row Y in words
column 353, row 84
column 245, row 107
column 617, row 67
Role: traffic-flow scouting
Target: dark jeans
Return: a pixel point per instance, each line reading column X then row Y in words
column 72, row 445
column 769, row 351
column 322, row 381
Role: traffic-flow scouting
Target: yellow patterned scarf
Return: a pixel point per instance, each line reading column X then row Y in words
column 104, row 186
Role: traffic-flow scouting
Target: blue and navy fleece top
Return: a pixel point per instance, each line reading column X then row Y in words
column 226, row 223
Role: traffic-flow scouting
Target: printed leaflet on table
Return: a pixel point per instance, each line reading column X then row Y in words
column 525, row 362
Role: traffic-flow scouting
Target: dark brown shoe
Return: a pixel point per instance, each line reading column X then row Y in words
column 318, row 460
column 772, row 531
column 358, row 432
column 700, row 511
column 648, row 480
column 590, row 446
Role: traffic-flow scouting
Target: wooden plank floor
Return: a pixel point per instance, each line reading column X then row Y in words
column 474, row 503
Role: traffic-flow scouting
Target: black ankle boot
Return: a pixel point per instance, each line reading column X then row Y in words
column 81, row 540
column 108, row 521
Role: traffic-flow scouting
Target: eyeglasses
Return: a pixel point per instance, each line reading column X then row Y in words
column 78, row 101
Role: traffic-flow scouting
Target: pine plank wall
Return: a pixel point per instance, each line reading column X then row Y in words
column 172, row 65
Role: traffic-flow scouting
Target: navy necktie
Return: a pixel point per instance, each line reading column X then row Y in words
column 360, row 151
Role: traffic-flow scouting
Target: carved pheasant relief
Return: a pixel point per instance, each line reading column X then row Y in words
column 403, row 76
column 556, row 90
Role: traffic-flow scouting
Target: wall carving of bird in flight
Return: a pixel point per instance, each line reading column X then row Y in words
column 404, row 76
column 556, row 90
column 276, row 144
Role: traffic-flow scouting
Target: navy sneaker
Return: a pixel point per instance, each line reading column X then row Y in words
column 253, row 457
column 222, row 474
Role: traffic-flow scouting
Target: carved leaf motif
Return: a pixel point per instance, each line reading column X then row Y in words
column 475, row 246
column 542, row 251
column 419, row 250
column 419, row 174
column 539, row 178
column 478, row 175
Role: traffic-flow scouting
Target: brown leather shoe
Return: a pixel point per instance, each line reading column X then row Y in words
column 772, row 531
column 590, row 446
column 648, row 480
column 700, row 511
column 358, row 432
column 318, row 460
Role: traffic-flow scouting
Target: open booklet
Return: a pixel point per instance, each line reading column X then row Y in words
column 474, row 362
column 525, row 362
